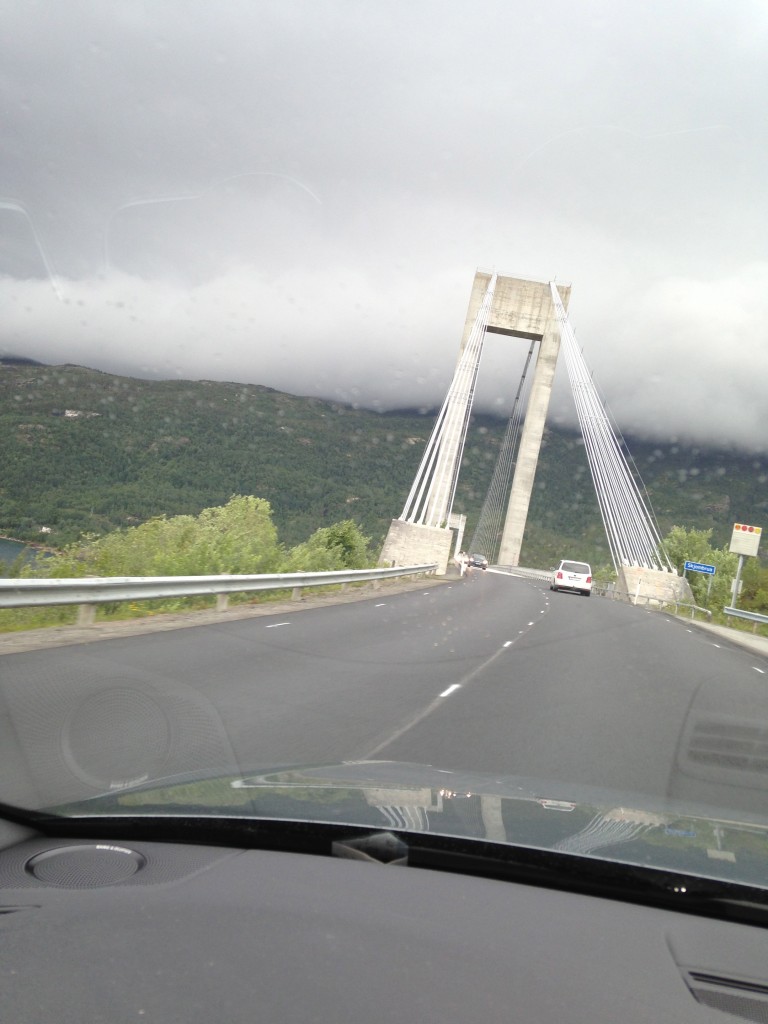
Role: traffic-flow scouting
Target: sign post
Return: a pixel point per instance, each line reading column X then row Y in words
column 745, row 540
column 701, row 567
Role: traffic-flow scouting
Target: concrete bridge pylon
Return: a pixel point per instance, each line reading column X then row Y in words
column 508, row 306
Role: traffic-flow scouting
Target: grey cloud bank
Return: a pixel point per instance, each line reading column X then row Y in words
column 298, row 194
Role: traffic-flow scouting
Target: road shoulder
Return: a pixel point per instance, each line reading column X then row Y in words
column 63, row 636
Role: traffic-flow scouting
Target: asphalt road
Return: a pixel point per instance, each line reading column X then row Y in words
column 489, row 673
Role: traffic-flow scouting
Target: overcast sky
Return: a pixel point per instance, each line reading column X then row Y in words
column 298, row 194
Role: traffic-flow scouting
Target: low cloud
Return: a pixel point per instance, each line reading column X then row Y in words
column 686, row 359
column 242, row 192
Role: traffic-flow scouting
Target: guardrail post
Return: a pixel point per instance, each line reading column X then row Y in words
column 296, row 594
column 86, row 614
column 222, row 602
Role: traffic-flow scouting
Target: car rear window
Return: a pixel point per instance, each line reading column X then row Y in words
column 581, row 567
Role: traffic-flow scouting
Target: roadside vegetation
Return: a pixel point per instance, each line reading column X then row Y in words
column 239, row 537
column 714, row 591
column 86, row 453
column 120, row 476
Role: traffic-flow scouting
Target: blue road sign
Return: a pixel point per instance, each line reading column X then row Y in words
column 700, row 567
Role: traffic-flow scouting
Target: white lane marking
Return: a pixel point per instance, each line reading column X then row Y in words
column 530, row 623
column 274, row 625
column 370, row 753
column 716, row 645
column 455, row 686
column 509, row 643
column 760, row 670
column 382, row 605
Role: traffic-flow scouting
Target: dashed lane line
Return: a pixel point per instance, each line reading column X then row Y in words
column 435, row 703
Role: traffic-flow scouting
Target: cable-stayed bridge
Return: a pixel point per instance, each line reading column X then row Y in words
column 537, row 312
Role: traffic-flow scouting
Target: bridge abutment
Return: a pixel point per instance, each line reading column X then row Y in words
column 412, row 544
column 518, row 309
column 635, row 584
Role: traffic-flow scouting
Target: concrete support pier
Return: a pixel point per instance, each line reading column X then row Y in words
column 411, row 544
column 636, row 584
column 519, row 309
column 523, row 309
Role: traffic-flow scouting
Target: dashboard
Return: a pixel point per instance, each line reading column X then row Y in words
column 123, row 932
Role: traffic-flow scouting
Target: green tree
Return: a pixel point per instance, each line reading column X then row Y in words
column 713, row 592
column 754, row 591
column 238, row 537
column 341, row 546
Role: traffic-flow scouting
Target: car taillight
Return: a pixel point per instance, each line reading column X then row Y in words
column 589, row 579
column 559, row 576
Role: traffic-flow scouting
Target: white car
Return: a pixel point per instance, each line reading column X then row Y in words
column 572, row 576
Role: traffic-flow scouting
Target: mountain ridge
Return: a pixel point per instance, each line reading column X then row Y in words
column 85, row 451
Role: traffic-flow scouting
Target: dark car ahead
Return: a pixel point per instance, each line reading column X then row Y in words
column 478, row 561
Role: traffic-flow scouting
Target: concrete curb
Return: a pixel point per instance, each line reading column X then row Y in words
column 750, row 641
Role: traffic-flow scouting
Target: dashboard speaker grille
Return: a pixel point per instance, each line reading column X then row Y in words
column 86, row 736
column 741, row 998
column 93, row 863
column 726, row 749
column 85, row 866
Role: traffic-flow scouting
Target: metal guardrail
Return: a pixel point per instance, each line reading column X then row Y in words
column 654, row 603
column 755, row 617
column 529, row 574
column 90, row 591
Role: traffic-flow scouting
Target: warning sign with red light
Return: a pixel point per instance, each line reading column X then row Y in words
column 745, row 540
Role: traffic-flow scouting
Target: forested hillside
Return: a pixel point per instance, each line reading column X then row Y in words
column 88, row 452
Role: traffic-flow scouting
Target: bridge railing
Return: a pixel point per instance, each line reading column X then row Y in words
column 607, row 590
column 676, row 607
column 529, row 574
column 87, row 592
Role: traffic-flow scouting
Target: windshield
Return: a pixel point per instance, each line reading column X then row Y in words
column 580, row 567
column 427, row 299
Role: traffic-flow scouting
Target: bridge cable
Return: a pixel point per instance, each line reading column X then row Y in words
column 633, row 536
column 430, row 500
